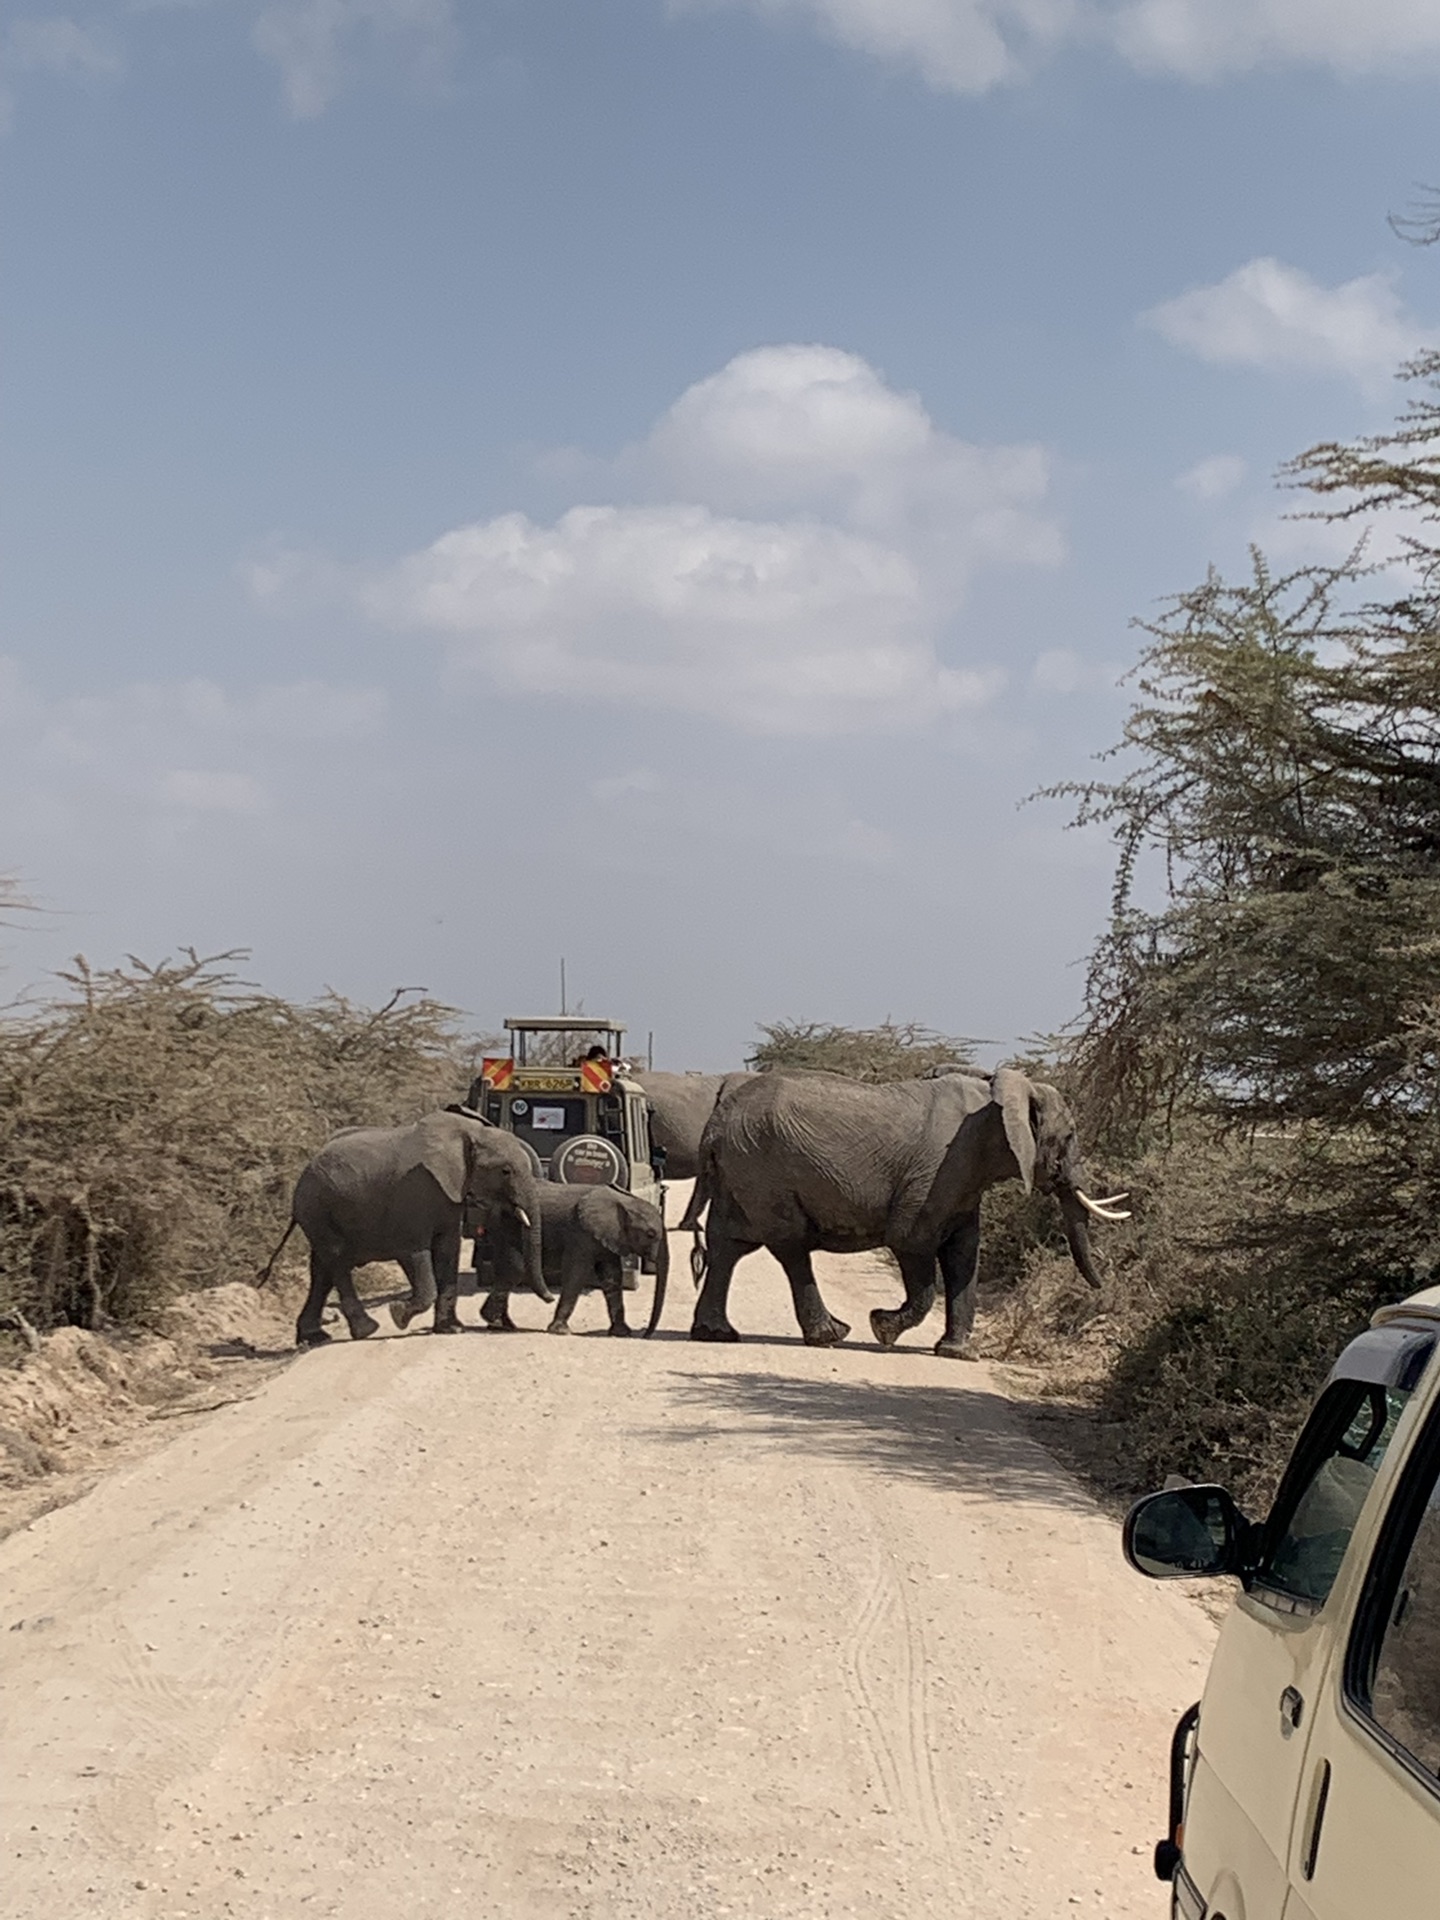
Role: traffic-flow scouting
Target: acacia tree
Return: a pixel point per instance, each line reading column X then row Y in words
column 1269, row 986
column 891, row 1051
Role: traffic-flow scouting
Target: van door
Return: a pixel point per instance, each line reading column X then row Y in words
column 1367, row 1838
column 1276, row 1646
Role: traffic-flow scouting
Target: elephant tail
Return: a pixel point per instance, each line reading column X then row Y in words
column 700, row 1198
column 262, row 1279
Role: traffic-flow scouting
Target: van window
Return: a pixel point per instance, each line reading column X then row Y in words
column 1334, row 1465
column 1317, row 1507
column 1392, row 1673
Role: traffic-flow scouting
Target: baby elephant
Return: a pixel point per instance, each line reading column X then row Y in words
column 583, row 1233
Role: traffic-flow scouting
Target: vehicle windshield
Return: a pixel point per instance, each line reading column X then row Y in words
column 566, row 1049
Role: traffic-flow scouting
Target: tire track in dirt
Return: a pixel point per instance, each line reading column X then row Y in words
column 885, row 1658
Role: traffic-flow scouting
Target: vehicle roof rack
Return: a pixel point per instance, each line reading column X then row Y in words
column 563, row 1023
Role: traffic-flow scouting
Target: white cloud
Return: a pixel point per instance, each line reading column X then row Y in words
column 207, row 791
column 1214, row 477
column 814, row 429
column 791, row 821
column 958, row 46
column 54, row 46
column 186, row 746
column 1062, row 671
column 969, row 46
column 1267, row 314
column 59, row 46
column 1058, row 670
column 776, row 627
column 623, row 786
column 801, row 584
column 1203, row 39
column 309, row 41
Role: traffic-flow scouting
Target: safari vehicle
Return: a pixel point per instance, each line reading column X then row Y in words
column 1306, row 1784
column 564, row 1090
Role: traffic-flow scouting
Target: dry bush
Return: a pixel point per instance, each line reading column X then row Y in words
column 1247, row 1265
column 890, row 1051
column 153, row 1119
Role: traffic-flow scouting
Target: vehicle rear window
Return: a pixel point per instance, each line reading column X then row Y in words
column 545, row 1120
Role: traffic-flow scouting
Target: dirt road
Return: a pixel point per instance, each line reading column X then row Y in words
column 512, row 1626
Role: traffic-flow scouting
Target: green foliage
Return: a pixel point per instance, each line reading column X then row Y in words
column 1262, row 1042
column 890, row 1051
column 153, row 1119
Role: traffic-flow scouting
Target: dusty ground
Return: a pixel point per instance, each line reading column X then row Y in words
column 513, row 1626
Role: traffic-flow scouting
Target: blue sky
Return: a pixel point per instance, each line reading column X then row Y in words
column 658, row 484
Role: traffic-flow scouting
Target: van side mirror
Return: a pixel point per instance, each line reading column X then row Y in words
column 1186, row 1532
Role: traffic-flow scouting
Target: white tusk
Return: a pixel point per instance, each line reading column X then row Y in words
column 1105, row 1209
column 523, row 1217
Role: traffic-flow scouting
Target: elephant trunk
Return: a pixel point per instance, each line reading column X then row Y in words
column 1078, row 1235
column 529, row 1212
column 662, row 1279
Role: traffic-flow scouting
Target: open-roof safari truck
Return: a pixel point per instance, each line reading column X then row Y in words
column 565, row 1092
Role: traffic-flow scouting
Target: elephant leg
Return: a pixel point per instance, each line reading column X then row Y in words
column 959, row 1258
column 818, row 1325
column 917, row 1270
column 420, row 1272
column 495, row 1312
column 360, row 1323
column 445, row 1259
column 323, row 1275
column 577, row 1272
column 612, row 1285
column 564, row 1307
column 724, row 1251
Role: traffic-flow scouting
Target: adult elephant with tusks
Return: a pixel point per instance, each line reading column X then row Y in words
column 585, row 1233
column 401, row 1193
column 807, row 1163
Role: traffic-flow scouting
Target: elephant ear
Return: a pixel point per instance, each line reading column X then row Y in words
column 444, row 1153
column 602, row 1213
column 1054, row 1127
column 1011, row 1091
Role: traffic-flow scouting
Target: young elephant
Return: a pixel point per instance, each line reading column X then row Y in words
column 583, row 1233
column 399, row 1193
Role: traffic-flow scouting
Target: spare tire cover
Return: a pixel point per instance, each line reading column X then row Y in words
column 537, row 1165
column 587, row 1160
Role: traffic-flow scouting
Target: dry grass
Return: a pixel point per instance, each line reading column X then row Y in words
column 153, row 1119
column 1217, row 1324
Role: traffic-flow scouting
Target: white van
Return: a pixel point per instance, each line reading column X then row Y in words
column 1306, row 1784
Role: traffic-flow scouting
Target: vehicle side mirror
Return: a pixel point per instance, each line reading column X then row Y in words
column 1185, row 1533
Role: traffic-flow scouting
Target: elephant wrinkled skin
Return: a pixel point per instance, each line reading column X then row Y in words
column 584, row 1231
column 680, row 1105
column 400, row 1193
column 805, row 1163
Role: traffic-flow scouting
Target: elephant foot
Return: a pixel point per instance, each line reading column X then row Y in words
column 362, row 1326
column 829, row 1333
column 620, row 1332
column 727, row 1333
column 558, row 1326
column 449, row 1325
column 401, row 1313
column 316, row 1337
column 954, row 1350
column 501, row 1323
column 885, row 1326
